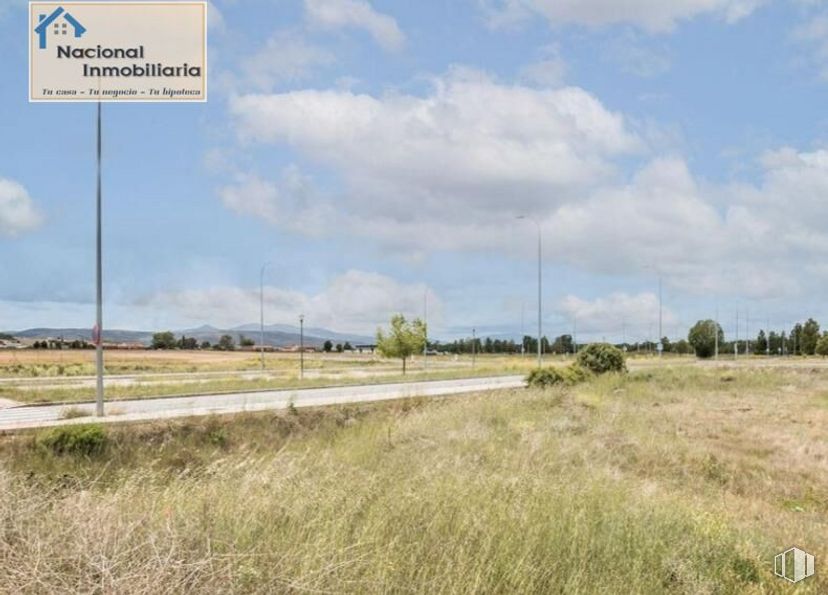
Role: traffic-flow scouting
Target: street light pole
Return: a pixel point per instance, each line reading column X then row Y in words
column 660, row 331
column 474, row 345
column 301, row 347
column 261, row 312
column 540, row 288
column 99, row 363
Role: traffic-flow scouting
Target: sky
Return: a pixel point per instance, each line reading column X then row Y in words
column 377, row 155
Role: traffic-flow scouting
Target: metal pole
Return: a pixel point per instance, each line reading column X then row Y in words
column 301, row 347
column 660, row 332
column 425, row 329
column 99, row 363
column 522, row 331
column 261, row 312
column 540, row 288
column 474, row 345
column 540, row 296
column 716, row 332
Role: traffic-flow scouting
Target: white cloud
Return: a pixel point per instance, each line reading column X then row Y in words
column 356, row 302
column 813, row 33
column 336, row 14
column 286, row 57
column 655, row 16
column 634, row 57
column 471, row 152
column 548, row 71
column 17, row 210
column 215, row 20
column 616, row 313
column 292, row 204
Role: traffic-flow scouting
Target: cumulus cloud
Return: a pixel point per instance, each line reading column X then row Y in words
column 287, row 56
column 291, row 203
column 616, row 313
column 337, row 14
column 468, row 153
column 17, row 210
column 356, row 301
column 655, row 16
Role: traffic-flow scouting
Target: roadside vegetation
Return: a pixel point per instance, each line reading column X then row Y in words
column 665, row 480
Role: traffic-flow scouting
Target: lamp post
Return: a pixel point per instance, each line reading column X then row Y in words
column 474, row 345
column 301, row 347
column 540, row 287
column 261, row 312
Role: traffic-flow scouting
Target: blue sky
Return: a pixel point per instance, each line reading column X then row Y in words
column 375, row 153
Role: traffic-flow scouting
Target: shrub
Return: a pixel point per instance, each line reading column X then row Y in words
column 84, row 440
column 545, row 377
column 600, row 358
column 575, row 373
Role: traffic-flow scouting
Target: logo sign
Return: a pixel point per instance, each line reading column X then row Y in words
column 118, row 51
column 793, row 565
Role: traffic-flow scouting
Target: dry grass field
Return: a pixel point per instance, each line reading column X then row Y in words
column 671, row 479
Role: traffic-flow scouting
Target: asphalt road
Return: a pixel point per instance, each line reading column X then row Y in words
column 15, row 418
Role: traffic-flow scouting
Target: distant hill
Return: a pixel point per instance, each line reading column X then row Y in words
column 275, row 335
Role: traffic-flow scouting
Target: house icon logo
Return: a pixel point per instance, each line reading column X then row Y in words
column 58, row 23
column 793, row 565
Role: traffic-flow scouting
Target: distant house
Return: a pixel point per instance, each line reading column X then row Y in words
column 58, row 23
column 361, row 348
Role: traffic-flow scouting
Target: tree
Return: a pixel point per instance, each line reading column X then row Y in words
column 348, row 346
column 760, row 347
column 165, row 340
column 245, row 342
column 328, row 346
column 339, row 347
column 703, row 337
column 822, row 345
column 205, row 344
column 226, row 343
column 403, row 339
column 809, row 337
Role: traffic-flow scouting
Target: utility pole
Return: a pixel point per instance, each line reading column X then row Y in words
column 261, row 313
column 98, row 334
column 301, row 347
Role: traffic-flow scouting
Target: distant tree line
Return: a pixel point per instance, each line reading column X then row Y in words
column 803, row 339
column 328, row 347
column 167, row 340
column 62, row 344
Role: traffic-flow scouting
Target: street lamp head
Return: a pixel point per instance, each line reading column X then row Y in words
column 301, row 318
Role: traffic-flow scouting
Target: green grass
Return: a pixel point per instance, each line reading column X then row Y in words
column 666, row 481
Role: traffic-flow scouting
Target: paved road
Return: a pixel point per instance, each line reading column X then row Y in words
column 15, row 418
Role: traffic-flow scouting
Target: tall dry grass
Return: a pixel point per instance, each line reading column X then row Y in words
column 670, row 481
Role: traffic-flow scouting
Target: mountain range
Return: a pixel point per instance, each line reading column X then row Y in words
column 276, row 335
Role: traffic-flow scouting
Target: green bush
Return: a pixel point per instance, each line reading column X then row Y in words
column 84, row 440
column 545, row 377
column 600, row 358
column 575, row 373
